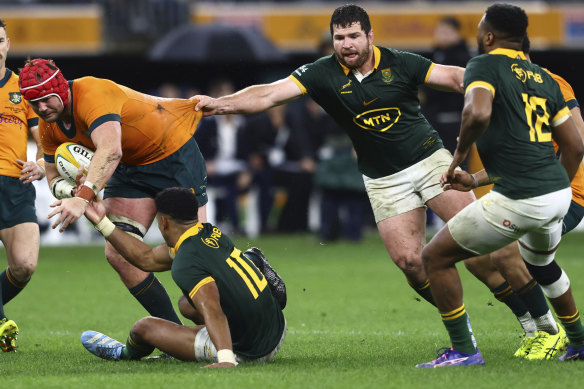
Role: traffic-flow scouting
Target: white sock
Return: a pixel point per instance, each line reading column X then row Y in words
column 528, row 324
column 546, row 323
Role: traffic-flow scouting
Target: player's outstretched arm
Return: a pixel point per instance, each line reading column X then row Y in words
column 207, row 302
column 446, row 78
column 253, row 99
column 133, row 250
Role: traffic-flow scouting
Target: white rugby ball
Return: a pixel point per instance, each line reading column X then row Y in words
column 69, row 156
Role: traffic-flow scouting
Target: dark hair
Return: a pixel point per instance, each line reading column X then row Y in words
column 2, row 24
column 451, row 21
column 526, row 45
column 179, row 203
column 508, row 19
column 348, row 14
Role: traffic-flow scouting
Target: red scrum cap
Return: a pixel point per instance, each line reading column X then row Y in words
column 41, row 78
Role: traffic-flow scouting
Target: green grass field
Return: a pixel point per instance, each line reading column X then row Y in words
column 352, row 323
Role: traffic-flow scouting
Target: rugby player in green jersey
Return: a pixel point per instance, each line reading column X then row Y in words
column 372, row 93
column 235, row 298
column 512, row 110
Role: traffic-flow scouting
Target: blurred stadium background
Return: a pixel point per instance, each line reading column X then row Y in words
column 148, row 43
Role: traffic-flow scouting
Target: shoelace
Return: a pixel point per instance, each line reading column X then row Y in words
column 538, row 342
column 443, row 352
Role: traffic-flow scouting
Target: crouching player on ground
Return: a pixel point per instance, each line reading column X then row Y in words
column 235, row 298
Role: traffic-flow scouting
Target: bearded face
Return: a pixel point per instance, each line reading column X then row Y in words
column 352, row 45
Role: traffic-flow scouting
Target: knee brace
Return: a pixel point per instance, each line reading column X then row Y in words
column 553, row 280
column 128, row 225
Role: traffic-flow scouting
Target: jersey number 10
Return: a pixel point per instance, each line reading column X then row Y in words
column 244, row 268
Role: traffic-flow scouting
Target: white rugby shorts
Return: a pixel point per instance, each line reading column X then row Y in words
column 205, row 349
column 494, row 221
column 408, row 189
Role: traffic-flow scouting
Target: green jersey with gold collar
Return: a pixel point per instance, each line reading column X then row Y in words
column 517, row 149
column 204, row 254
column 381, row 114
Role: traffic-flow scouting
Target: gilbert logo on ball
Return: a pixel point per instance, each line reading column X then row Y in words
column 69, row 156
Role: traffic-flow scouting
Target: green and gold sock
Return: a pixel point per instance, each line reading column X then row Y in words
column 153, row 297
column 534, row 299
column 574, row 329
column 134, row 350
column 456, row 323
column 424, row 291
column 507, row 296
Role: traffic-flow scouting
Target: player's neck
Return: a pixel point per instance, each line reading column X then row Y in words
column 66, row 117
column 2, row 72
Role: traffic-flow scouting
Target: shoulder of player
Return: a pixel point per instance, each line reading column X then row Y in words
column 483, row 58
column 92, row 84
column 207, row 237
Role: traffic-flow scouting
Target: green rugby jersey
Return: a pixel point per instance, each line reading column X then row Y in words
column 517, row 149
column 204, row 254
column 381, row 114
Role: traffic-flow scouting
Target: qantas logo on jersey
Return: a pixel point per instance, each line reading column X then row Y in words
column 524, row 75
column 378, row 119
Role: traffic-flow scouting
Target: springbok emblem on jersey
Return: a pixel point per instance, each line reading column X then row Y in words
column 386, row 75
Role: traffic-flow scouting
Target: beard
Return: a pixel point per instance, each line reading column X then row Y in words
column 481, row 48
column 358, row 62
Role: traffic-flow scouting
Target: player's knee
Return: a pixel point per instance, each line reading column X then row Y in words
column 188, row 311
column 142, row 327
column 23, row 271
column 409, row 263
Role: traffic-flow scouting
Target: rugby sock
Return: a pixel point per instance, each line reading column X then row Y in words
column 505, row 294
column 424, row 291
column 458, row 327
column 574, row 329
column 535, row 301
column 152, row 295
column 134, row 350
column 528, row 324
column 9, row 288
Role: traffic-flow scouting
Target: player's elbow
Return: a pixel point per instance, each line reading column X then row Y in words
column 476, row 115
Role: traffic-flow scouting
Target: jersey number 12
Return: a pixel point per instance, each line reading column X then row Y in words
column 531, row 104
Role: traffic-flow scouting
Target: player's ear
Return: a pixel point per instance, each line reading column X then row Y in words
column 164, row 221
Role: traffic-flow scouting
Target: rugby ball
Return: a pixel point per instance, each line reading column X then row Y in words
column 68, row 157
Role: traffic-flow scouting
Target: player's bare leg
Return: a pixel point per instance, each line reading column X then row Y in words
column 22, row 249
column 144, row 286
column 188, row 311
column 173, row 339
column 404, row 237
column 140, row 210
column 448, row 204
